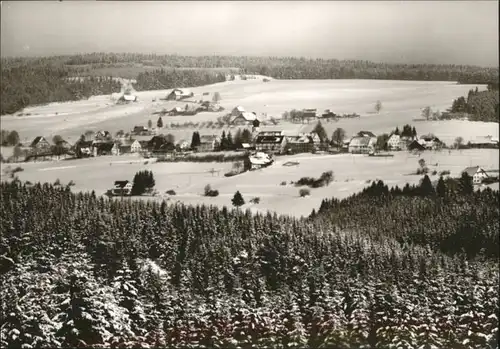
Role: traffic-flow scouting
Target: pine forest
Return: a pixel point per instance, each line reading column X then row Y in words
column 412, row 267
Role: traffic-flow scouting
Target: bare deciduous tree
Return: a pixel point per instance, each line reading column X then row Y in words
column 427, row 112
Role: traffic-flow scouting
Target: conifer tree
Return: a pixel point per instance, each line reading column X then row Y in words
column 321, row 132
column 426, row 188
column 230, row 144
column 246, row 136
column 223, row 141
column 237, row 199
column 195, row 140
column 465, row 184
column 237, row 139
column 441, row 187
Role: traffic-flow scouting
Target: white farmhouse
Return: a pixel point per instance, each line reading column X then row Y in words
column 362, row 145
column 477, row 174
column 394, row 142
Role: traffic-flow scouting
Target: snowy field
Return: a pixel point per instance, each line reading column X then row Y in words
column 351, row 173
column 402, row 102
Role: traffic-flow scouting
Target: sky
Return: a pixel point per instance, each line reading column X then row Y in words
column 441, row 32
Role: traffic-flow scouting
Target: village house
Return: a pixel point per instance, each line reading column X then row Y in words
column 135, row 146
column 270, row 141
column 301, row 143
column 179, row 93
column 483, row 142
column 127, row 98
column 183, row 145
column 396, row 142
column 477, row 174
column 129, row 146
column 430, row 142
column 245, row 118
column 116, row 149
column 140, row 131
column 208, row 143
column 328, row 113
column 315, row 138
column 104, row 148
column 362, row 145
column 122, row 188
column 84, row 149
column 415, row 145
column 309, row 113
column 40, row 144
column 164, row 151
column 176, row 111
column 237, row 111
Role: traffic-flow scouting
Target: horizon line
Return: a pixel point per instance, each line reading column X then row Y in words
column 239, row 56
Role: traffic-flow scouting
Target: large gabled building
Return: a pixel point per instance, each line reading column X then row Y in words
column 179, row 93
column 362, row 145
column 271, row 142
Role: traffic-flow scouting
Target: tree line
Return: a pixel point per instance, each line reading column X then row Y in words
column 81, row 270
column 296, row 67
column 436, row 216
column 165, row 79
column 479, row 105
column 31, row 84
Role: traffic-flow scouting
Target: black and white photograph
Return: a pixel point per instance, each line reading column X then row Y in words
column 249, row 174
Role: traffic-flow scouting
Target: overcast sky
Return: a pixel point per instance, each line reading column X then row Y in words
column 455, row 32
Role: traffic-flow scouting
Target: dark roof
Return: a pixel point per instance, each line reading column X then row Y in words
column 36, row 141
column 415, row 145
column 140, row 128
column 366, row 134
column 471, row 171
column 309, row 112
column 121, row 184
column 84, row 144
column 269, row 139
column 166, row 147
column 102, row 133
column 104, row 146
column 156, row 142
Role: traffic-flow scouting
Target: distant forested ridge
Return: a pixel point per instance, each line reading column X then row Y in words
column 302, row 68
column 19, row 86
column 164, row 79
column 39, row 84
column 479, row 105
column 83, row 271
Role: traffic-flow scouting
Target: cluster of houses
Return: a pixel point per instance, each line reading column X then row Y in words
column 271, row 142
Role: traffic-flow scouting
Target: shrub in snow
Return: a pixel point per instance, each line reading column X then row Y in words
column 255, row 200
column 304, row 192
